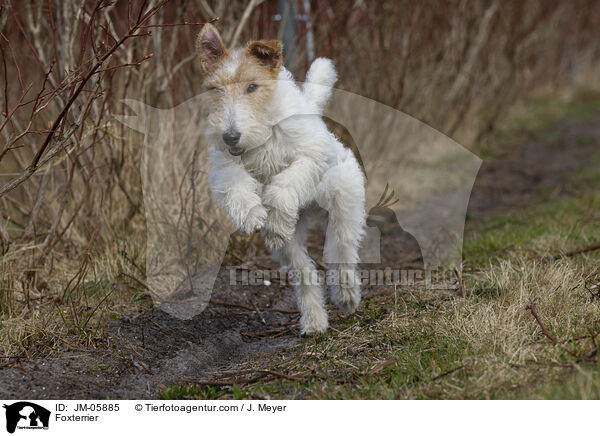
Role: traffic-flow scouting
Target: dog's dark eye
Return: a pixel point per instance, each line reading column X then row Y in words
column 251, row 88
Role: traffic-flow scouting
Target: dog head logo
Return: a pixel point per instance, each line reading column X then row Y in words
column 26, row 415
column 425, row 177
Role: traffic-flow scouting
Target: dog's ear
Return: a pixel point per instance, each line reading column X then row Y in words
column 210, row 47
column 267, row 52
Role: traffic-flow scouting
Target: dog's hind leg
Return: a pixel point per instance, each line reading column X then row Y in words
column 303, row 274
column 343, row 195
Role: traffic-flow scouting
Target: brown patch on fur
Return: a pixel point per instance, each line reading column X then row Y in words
column 267, row 53
column 344, row 136
column 210, row 47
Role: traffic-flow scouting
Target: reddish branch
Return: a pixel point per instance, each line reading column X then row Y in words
column 572, row 253
column 79, row 83
column 531, row 308
column 141, row 20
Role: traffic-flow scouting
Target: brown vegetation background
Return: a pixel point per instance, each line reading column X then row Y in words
column 71, row 205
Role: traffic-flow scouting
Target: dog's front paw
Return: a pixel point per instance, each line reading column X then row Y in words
column 255, row 219
column 282, row 198
column 279, row 229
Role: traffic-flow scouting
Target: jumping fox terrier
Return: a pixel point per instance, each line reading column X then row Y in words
column 275, row 166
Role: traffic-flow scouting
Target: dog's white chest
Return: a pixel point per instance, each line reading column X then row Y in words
column 265, row 162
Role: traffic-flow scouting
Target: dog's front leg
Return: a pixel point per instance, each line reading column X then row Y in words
column 237, row 192
column 288, row 191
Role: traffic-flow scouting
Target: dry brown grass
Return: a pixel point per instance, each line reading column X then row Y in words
column 500, row 327
column 415, row 343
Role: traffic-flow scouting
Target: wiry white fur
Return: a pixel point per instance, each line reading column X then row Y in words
column 284, row 178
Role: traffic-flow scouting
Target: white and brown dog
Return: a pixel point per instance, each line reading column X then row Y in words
column 275, row 165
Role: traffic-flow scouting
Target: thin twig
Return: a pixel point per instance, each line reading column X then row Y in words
column 282, row 375
column 531, row 308
column 450, row 371
column 572, row 253
column 382, row 366
column 247, row 12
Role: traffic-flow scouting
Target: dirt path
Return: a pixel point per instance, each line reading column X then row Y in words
column 141, row 355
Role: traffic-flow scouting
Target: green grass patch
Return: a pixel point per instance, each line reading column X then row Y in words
column 550, row 228
column 536, row 119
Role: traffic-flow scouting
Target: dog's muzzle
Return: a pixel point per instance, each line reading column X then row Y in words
column 236, row 151
column 232, row 138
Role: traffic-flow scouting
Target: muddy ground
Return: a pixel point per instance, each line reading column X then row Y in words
column 143, row 354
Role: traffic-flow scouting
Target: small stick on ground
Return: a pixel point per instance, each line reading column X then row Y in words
column 264, row 375
column 577, row 251
column 531, row 308
column 382, row 366
column 282, row 375
column 258, row 312
column 450, row 371
column 135, row 279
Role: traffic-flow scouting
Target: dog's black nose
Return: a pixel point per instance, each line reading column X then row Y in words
column 231, row 137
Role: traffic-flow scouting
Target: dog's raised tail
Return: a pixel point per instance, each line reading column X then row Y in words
column 320, row 79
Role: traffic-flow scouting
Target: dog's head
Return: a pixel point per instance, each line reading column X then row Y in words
column 239, row 85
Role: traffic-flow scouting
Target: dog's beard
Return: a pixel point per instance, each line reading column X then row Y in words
column 259, row 142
